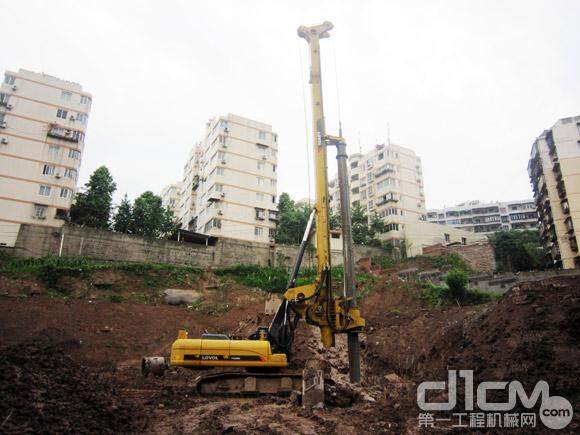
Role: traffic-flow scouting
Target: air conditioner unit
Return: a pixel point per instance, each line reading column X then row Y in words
column 220, row 213
column 72, row 118
column 223, row 162
column 223, row 195
column 57, row 175
column 264, row 157
column 14, row 87
column 9, row 106
column 3, row 124
column 4, row 141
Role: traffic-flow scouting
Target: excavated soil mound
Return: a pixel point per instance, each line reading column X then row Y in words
column 530, row 335
column 44, row 391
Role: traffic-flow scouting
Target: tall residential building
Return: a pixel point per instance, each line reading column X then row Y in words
column 554, row 170
column 229, row 186
column 170, row 197
column 487, row 217
column 43, row 121
column 388, row 181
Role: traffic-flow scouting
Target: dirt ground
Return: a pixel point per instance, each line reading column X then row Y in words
column 73, row 365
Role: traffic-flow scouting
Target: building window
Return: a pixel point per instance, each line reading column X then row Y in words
column 74, row 154
column 260, row 165
column 9, row 79
column 354, row 177
column 274, row 137
column 70, row 173
column 4, row 99
column 258, row 231
column 61, row 113
column 261, row 135
column 447, row 237
column 381, row 156
column 218, row 187
column 354, row 190
column 64, row 192
column 272, row 233
column 44, row 190
column 353, row 165
column 85, row 100
column 260, row 214
column 464, row 241
column 82, row 118
column 273, row 183
column 260, row 180
column 53, row 150
column 65, row 95
column 48, row 170
column 259, row 196
column 40, row 211
column 273, row 168
column 219, row 171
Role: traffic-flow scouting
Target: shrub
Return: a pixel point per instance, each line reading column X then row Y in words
column 383, row 261
column 266, row 278
column 116, row 299
column 456, row 280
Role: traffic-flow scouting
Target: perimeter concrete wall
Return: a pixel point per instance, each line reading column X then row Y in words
column 38, row 241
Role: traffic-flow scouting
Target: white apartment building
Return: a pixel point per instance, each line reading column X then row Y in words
column 170, row 197
column 554, row 170
column 43, row 121
column 487, row 217
column 229, row 185
column 388, row 181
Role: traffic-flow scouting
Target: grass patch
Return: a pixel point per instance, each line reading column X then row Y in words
column 440, row 295
column 50, row 269
column 272, row 279
column 448, row 261
column 383, row 261
column 117, row 299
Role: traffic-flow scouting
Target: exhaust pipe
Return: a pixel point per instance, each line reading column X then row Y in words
column 155, row 365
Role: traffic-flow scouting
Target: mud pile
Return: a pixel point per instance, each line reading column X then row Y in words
column 530, row 335
column 43, row 390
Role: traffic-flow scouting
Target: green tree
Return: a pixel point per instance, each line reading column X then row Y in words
column 518, row 251
column 123, row 219
column 92, row 208
column 456, row 280
column 364, row 233
column 292, row 220
column 150, row 218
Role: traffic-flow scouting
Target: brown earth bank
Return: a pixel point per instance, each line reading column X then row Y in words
column 73, row 365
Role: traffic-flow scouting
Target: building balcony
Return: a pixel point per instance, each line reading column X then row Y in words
column 557, row 171
column 216, row 197
column 569, row 225
column 59, row 132
column 565, row 206
column 561, row 189
column 573, row 244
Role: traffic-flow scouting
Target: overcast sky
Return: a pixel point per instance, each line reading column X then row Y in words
column 468, row 85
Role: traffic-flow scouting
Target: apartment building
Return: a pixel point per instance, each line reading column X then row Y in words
column 170, row 197
column 43, row 120
column 554, row 170
column 229, row 186
column 487, row 217
column 388, row 181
